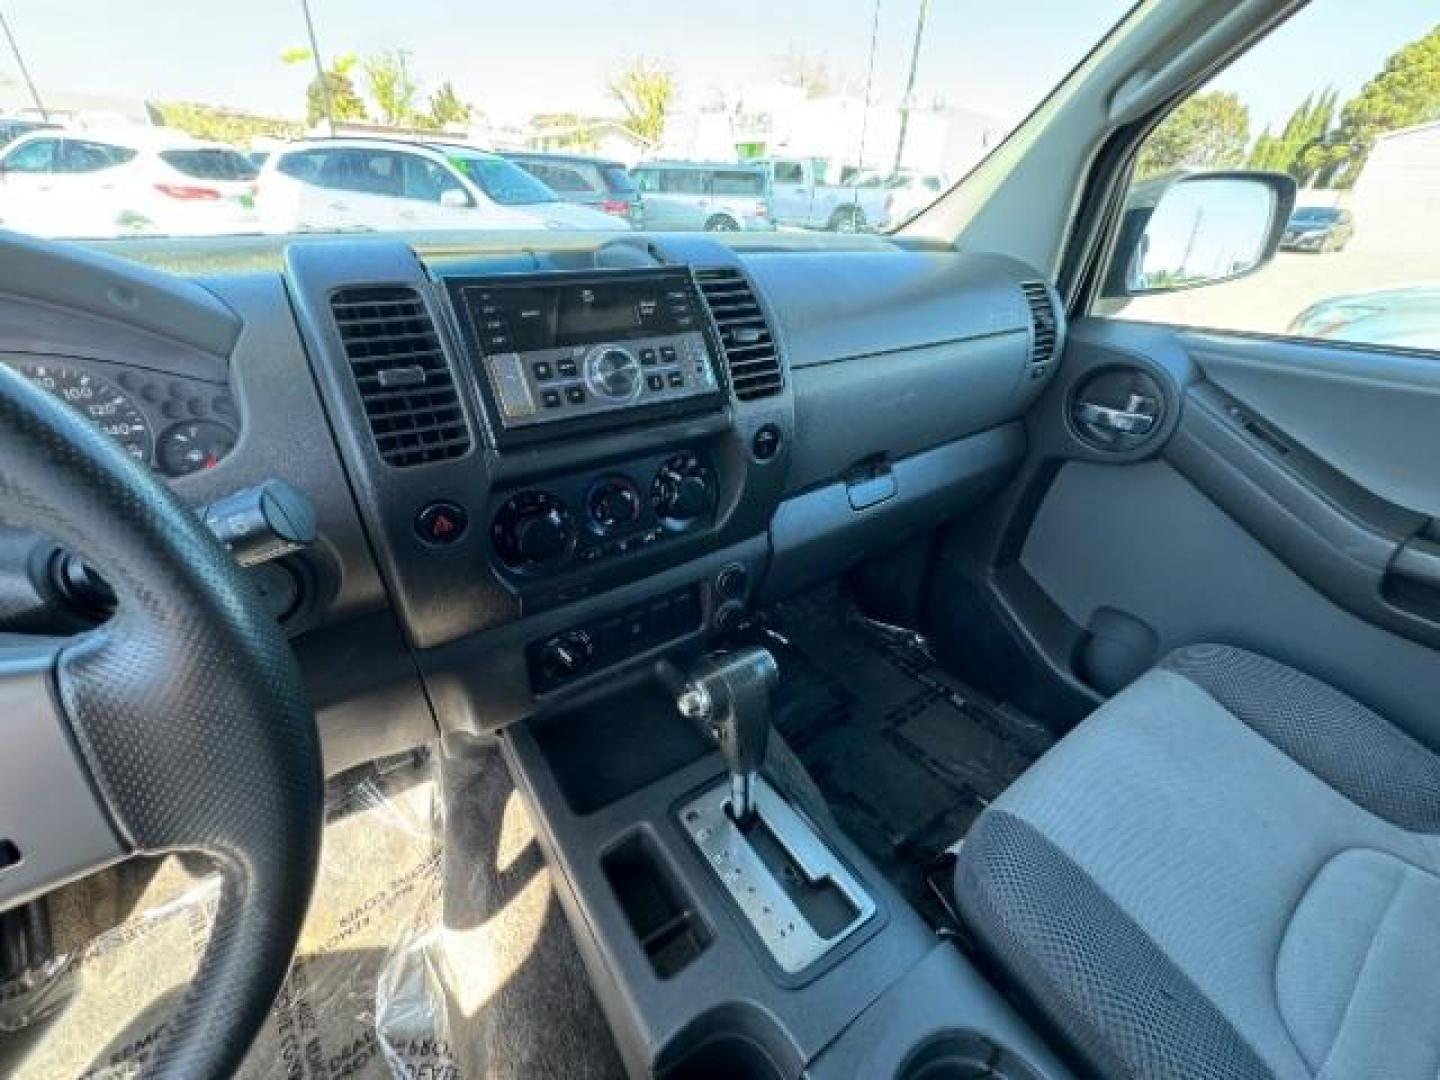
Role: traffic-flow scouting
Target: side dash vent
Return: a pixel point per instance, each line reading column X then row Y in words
column 1042, row 321
column 401, row 372
column 750, row 354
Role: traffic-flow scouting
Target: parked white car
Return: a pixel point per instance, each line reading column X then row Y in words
column 136, row 181
column 381, row 185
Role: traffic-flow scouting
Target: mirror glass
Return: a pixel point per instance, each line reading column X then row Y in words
column 1204, row 229
column 454, row 197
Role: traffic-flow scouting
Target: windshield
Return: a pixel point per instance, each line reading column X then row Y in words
column 504, row 181
column 313, row 116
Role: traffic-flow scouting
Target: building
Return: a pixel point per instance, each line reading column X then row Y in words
column 1396, row 200
column 72, row 110
column 599, row 136
column 940, row 140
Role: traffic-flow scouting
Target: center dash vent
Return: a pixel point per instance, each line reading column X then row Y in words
column 401, row 372
column 750, row 354
column 1042, row 319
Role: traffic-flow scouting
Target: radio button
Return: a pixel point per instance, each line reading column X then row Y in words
column 550, row 399
column 667, row 354
column 568, row 369
column 543, row 370
column 648, row 357
column 677, row 378
column 655, row 382
column 575, row 395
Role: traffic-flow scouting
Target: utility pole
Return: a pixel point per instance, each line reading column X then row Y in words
column 319, row 68
column 24, row 71
column 910, row 84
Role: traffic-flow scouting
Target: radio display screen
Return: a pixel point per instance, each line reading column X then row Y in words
column 561, row 316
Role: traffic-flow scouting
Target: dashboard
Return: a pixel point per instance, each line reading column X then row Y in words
column 531, row 471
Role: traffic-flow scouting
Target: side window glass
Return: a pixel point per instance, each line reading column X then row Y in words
column 647, row 180
column 564, row 178
column 425, row 180
column 305, row 166
column 36, row 157
column 686, row 181
column 789, row 172
column 79, row 156
column 375, row 172
column 1351, row 113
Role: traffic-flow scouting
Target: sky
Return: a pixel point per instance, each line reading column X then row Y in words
column 517, row 57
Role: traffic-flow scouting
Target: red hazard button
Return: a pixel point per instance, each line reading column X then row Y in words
column 442, row 523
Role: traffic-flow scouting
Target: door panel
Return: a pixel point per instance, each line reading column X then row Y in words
column 1144, row 540
column 1284, row 504
column 1375, row 417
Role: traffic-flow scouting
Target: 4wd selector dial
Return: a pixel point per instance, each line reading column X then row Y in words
column 612, row 373
column 682, row 490
column 532, row 530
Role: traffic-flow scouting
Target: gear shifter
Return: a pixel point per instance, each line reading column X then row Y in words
column 729, row 695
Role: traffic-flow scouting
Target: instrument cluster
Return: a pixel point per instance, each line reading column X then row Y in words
column 173, row 424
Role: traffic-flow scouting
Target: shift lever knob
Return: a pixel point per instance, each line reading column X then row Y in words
column 730, row 696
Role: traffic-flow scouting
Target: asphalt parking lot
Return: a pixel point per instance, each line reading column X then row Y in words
column 1267, row 301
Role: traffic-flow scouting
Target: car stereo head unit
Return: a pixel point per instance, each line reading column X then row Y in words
column 578, row 351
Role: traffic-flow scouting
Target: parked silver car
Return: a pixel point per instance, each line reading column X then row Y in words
column 688, row 195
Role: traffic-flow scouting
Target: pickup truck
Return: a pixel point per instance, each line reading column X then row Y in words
column 800, row 196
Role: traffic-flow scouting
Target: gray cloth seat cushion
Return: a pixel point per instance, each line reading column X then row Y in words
column 1230, row 869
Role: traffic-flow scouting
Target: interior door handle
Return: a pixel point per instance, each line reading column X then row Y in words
column 1128, row 421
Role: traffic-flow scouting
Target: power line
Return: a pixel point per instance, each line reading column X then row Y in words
column 319, row 68
column 869, row 80
column 910, row 84
column 24, row 71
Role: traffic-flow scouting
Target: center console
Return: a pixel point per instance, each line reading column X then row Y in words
column 729, row 926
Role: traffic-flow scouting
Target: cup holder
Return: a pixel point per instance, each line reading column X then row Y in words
column 963, row 1055
column 732, row 1042
column 726, row 1057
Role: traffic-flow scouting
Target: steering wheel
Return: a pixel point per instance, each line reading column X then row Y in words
column 180, row 725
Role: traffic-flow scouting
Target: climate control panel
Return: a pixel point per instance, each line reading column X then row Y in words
column 571, row 522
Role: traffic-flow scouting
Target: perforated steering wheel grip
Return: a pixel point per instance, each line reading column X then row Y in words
column 181, row 725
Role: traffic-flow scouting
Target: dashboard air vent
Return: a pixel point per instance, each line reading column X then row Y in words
column 1042, row 319
column 750, row 354
column 404, row 380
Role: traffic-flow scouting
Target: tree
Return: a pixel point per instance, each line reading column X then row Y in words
column 1290, row 151
column 391, row 86
column 1404, row 93
column 216, row 124
column 1208, row 131
column 446, row 106
column 811, row 74
column 345, row 101
column 644, row 89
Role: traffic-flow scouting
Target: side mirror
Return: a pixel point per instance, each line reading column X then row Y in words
column 455, row 197
column 1187, row 231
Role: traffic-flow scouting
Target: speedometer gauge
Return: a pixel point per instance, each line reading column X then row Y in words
column 102, row 402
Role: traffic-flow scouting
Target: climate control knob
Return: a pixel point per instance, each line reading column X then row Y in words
column 532, row 531
column 682, row 491
column 613, row 504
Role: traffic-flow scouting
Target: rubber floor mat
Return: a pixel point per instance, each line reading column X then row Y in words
column 434, row 949
column 905, row 753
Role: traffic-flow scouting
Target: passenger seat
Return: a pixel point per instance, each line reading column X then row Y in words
column 1229, row 870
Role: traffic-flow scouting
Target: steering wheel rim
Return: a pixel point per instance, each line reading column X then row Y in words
column 180, row 725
